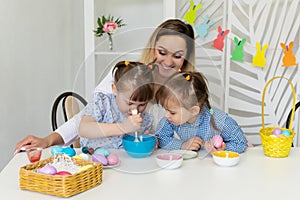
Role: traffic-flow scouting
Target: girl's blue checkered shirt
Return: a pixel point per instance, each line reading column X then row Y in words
column 230, row 131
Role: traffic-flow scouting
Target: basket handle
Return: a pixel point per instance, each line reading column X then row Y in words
column 263, row 100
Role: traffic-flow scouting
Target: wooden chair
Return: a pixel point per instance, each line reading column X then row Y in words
column 289, row 117
column 70, row 107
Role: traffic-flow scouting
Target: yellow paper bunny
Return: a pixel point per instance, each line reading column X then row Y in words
column 259, row 59
column 190, row 16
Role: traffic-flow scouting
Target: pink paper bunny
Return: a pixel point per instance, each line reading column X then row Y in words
column 288, row 59
column 219, row 41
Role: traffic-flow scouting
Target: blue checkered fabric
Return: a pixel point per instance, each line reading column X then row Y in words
column 104, row 108
column 230, row 131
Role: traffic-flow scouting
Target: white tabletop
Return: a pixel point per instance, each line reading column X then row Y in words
column 255, row 177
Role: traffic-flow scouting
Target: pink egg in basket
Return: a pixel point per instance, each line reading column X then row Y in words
column 276, row 131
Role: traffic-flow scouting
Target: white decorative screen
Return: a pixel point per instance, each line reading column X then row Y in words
column 236, row 87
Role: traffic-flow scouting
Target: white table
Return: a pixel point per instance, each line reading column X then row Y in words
column 255, row 177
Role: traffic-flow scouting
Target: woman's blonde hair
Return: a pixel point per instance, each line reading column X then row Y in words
column 172, row 27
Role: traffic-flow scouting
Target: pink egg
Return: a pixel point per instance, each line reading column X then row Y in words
column 99, row 158
column 217, row 140
column 47, row 169
column 276, row 131
column 113, row 159
column 63, row 173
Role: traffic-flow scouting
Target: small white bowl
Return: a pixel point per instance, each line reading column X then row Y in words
column 226, row 158
column 169, row 160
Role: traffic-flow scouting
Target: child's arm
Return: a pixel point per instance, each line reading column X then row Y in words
column 90, row 128
column 233, row 136
column 165, row 135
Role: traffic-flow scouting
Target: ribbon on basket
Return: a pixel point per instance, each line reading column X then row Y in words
column 273, row 146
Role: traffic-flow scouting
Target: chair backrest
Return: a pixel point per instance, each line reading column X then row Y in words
column 289, row 117
column 69, row 104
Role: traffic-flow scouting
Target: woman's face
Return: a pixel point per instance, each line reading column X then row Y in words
column 170, row 53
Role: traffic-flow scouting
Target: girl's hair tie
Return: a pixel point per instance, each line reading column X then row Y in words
column 188, row 77
column 211, row 111
column 126, row 63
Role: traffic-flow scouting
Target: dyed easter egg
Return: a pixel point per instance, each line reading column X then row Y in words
column 85, row 167
column 85, row 150
column 113, row 159
column 286, row 133
column 217, row 140
column 63, row 173
column 276, row 131
column 47, row 169
column 100, row 158
column 102, row 151
column 77, row 157
column 56, row 150
column 69, row 151
column 84, row 156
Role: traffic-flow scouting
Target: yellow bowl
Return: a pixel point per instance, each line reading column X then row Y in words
column 226, row 158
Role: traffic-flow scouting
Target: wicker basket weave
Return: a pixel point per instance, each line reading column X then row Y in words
column 277, row 147
column 63, row 186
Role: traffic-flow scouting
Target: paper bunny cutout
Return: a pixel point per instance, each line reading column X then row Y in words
column 219, row 41
column 238, row 53
column 190, row 16
column 259, row 59
column 203, row 27
column 288, row 59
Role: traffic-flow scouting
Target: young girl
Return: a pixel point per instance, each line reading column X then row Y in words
column 109, row 116
column 190, row 116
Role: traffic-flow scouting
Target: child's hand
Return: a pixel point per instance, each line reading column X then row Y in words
column 132, row 123
column 194, row 143
column 209, row 147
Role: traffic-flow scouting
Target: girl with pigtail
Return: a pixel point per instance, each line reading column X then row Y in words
column 111, row 115
column 190, row 122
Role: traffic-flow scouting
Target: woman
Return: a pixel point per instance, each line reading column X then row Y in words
column 171, row 46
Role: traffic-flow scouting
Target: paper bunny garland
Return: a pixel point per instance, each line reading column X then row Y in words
column 190, row 16
column 288, row 59
column 259, row 59
column 219, row 41
column 238, row 53
column 202, row 29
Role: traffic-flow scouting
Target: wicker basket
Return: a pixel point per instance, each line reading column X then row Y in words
column 63, row 186
column 277, row 147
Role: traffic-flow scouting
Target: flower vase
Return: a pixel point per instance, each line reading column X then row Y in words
column 110, row 42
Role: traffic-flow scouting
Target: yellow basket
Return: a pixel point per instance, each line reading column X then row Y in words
column 63, row 186
column 277, row 147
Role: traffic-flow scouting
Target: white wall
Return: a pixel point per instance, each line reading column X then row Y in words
column 41, row 52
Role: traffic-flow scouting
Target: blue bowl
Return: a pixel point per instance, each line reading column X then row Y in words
column 139, row 149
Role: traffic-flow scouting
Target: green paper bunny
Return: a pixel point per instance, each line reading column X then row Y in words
column 238, row 53
column 190, row 16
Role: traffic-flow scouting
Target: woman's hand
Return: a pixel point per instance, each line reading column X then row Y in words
column 29, row 142
column 33, row 141
column 193, row 144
